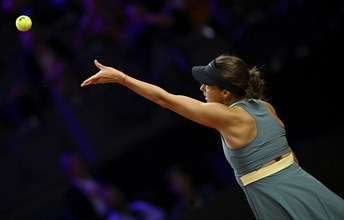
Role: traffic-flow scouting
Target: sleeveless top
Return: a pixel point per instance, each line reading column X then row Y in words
column 269, row 143
column 289, row 194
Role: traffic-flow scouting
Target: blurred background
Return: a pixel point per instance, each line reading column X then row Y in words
column 130, row 142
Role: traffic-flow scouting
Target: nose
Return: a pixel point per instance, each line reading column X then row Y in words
column 202, row 87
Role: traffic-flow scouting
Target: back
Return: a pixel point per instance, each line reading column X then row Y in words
column 269, row 143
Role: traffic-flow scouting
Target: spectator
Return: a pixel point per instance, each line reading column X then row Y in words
column 84, row 198
column 121, row 208
column 190, row 194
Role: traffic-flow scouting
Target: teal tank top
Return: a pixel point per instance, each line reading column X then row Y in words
column 270, row 141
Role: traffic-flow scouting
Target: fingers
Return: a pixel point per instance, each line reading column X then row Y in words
column 85, row 83
column 88, row 81
column 93, row 79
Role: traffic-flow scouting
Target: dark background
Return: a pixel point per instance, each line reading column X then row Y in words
column 131, row 141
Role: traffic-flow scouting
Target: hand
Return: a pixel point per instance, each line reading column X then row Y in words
column 106, row 74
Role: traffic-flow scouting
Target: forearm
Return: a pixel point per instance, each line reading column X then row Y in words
column 146, row 90
column 187, row 107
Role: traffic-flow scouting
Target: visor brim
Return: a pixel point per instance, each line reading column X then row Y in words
column 201, row 76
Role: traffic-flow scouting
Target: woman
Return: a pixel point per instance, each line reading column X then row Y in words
column 253, row 137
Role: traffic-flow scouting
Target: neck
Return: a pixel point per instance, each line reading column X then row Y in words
column 234, row 101
column 231, row 101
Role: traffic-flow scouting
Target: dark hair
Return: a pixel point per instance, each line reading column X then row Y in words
column 235, row 70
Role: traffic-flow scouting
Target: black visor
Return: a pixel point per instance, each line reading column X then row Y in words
column 209, row 75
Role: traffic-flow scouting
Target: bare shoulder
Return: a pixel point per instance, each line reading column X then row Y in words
column 268, row 105
column 240, row 128
column 226, row 116
column 272, row 111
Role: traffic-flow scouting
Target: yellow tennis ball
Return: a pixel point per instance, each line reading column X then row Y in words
column 23, row 23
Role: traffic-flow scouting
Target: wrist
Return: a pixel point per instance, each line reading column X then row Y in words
column 124, row 78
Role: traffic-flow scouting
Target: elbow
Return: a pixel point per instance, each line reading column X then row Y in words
column 161, row 101
column 164, row 99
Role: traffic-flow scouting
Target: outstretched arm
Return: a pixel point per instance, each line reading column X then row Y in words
column 154, row 93
column 203, row 113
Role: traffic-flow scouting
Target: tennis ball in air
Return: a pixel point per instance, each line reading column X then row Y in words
column 23, row 23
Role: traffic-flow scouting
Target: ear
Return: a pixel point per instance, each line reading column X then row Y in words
column 226, row 93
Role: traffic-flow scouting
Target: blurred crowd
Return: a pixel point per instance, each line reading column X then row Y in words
column 44, row 66
column 92, row 198
column 42, row 105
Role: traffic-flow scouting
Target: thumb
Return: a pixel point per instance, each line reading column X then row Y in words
column 99, row 65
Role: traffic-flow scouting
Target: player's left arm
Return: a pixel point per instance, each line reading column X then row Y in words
column 213, row 115
column 209, row 114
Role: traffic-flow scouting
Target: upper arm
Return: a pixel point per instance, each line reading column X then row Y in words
column 208, row 114
column 214, row 115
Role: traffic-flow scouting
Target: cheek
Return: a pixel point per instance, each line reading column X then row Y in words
column 208, row 90
column 215, row 96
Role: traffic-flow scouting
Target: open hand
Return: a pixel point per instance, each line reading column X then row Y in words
column 106, row 74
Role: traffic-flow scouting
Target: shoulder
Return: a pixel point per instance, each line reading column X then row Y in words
column 272, row 110
column 258, row 103
column 268, row 106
